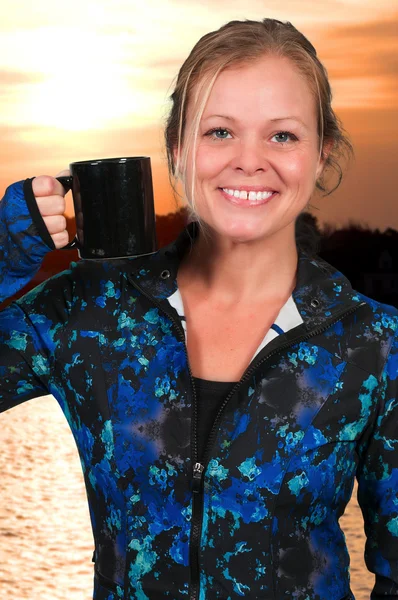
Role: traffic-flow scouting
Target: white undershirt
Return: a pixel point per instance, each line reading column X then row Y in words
column 287, row 318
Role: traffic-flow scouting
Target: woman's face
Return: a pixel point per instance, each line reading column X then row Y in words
column 258, row 134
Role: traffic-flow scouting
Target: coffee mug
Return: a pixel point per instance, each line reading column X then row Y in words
column 114, row 207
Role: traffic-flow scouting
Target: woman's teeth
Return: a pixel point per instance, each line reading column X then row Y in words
column 243, row 195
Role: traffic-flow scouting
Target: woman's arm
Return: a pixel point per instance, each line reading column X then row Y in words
column 31, row 333
column 377, row 476
column 24, row 359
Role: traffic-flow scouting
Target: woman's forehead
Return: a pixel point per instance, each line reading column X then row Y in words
column 263, row 87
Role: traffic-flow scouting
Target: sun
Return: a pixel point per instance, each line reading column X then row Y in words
column 78, row 90
column 82, row 100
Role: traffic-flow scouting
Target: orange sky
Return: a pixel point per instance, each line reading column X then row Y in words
column 98, row 86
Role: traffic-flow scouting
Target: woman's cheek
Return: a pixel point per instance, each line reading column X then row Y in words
column 301, row 162
column 211, row 159
column 206, row 158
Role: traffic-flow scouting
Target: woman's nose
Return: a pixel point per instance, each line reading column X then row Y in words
column 250, row 157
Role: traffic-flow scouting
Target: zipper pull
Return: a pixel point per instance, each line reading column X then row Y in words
column 197, row 477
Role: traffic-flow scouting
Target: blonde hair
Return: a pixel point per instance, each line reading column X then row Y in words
column 235, row 44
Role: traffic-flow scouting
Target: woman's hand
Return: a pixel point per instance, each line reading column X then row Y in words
column 50, row 198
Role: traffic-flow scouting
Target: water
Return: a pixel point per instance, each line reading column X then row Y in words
column 46, row 542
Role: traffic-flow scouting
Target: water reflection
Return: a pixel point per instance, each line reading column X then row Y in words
column 46, row 542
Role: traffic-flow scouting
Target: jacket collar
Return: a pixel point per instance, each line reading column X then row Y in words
column 321, row 293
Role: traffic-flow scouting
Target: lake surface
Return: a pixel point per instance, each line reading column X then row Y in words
column 46, row 541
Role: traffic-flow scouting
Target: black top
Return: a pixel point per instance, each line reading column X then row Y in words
column 210, row 395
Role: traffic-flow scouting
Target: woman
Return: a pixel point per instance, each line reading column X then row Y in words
column 223, row 475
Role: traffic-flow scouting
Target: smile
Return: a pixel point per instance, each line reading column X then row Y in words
column 244, row 195
column 245, row 199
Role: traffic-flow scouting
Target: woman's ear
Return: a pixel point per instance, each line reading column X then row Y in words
column 176, row 155
column 327, row 147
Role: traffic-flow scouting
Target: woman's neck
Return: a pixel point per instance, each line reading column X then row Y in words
column 231, row 274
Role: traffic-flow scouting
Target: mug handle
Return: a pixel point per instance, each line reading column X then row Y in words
column 66, row 181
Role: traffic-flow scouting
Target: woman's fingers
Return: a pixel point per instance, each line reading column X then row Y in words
column 55, row 224
column 50, row 197
column 60, row 239
column 45, row 185
column 51, row 205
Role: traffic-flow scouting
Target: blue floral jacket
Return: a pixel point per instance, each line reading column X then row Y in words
column 255, row 516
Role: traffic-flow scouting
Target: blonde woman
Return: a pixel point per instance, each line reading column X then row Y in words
column 227, row 392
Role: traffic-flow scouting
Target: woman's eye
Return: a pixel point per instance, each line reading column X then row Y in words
column 219, row 133
column 223, row 132
column 284, row 134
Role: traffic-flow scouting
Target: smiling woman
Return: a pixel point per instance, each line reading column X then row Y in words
column 225, row 391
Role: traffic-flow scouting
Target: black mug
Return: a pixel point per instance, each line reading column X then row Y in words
column 114, row 207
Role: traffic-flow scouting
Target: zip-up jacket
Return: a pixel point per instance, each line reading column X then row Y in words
column 256, row 515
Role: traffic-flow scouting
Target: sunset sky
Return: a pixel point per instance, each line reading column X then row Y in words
column 83, row 79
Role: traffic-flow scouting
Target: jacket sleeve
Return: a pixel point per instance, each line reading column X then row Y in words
column 32, row 332
column 24, row 358
column 377, row 476
column 24, row 238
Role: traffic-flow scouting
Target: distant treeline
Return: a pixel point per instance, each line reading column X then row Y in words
column 367, row 257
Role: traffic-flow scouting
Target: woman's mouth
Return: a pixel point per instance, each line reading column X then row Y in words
column 248, row 199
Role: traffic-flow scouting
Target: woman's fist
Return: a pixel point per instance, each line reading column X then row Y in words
column 50, row 198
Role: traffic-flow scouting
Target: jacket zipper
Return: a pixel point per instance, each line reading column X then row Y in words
column 199, row 468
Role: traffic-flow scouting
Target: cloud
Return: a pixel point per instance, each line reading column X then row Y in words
column 11, row 78
column 368, row 49
column 48, row 146
column 380, row 29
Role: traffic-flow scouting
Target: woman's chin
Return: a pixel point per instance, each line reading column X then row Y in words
column 237, row 230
